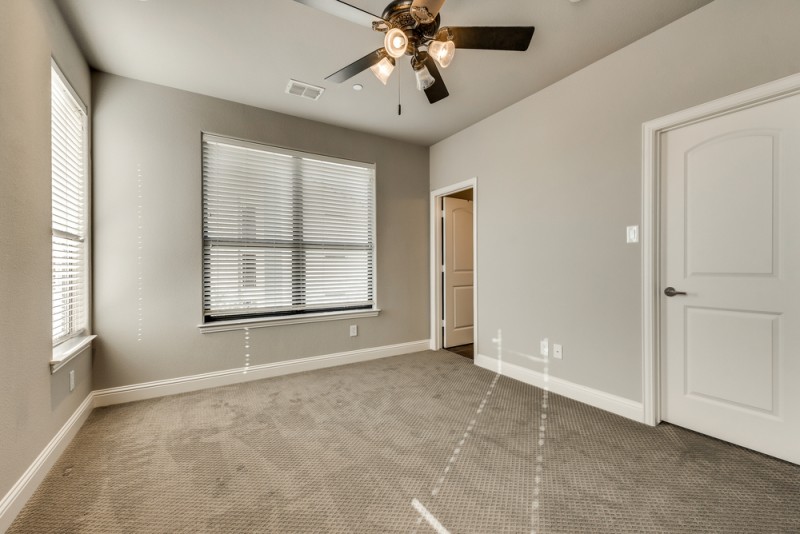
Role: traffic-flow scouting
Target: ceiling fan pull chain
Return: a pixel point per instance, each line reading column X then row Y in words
column 399, row 106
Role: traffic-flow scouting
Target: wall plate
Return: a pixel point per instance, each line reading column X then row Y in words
column 632, row 234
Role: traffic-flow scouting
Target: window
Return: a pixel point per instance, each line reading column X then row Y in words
column 69, row 211
column 285, row 233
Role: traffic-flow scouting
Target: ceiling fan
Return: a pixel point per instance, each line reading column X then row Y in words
column 412, row 28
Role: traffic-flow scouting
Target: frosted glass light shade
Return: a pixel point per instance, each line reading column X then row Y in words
column 424, row 78
column 395, row 42
column 383, row 69
column 442, row 51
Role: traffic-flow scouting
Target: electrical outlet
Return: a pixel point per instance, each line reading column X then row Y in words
column 558, row 351
column 353, row 330
column 544, row 347
column 72, row 380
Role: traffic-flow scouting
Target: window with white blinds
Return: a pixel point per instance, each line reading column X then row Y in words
column 284, row 232
column 69, row 211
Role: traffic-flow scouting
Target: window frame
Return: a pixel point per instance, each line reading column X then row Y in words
column 81, row 338
column 266, row 319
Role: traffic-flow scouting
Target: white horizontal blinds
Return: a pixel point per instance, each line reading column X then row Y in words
column 70, row 288
column 284, row 232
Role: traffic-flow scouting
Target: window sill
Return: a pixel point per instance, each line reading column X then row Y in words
column 66, row 351
column 261, row 322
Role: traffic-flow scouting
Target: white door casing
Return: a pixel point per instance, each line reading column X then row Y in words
column 458, row 271
column 730, row 239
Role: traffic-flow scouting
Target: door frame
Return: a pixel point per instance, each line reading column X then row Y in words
column 651, row 220
column 436, row 342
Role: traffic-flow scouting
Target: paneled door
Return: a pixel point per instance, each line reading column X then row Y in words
column 458, row 272
column 730, row 277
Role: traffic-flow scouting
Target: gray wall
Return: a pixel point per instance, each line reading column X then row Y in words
column 559, row 180
column 157, row 129
column 33, row 403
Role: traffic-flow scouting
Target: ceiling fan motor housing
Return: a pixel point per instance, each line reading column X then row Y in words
column 425, row 11
column 398, row 13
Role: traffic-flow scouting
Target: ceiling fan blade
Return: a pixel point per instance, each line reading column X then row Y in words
column 492, row 37
column 357, row 66
column 437, row 91
column 343, row 10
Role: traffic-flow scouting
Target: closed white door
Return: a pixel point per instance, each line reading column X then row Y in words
column 458, row 281
column 731, row 242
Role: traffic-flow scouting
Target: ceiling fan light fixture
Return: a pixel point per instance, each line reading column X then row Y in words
column 443, row 52
column 395, row 42
column 383, row 69
column 424, row 78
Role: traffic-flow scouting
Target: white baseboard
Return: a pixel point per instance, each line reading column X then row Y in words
column 18, row 495
column 184, row 384
column 593, row 397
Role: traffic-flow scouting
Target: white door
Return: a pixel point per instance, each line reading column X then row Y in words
column 458, row 282
column 731, row 242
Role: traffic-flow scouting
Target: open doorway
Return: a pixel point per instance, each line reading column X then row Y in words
column 453, row 272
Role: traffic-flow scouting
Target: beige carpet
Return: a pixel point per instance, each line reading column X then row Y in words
column 398, row 445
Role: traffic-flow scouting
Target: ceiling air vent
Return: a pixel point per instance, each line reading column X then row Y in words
column 304, row 90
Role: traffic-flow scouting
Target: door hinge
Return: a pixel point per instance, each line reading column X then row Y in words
column 443, row 323
column 442, row 268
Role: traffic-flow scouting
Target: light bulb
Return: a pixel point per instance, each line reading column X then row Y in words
column 383, row 69
column 395, row 42
column 424, row 78
column 442, row 51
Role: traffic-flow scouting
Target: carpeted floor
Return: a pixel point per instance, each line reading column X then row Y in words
column 398, row 445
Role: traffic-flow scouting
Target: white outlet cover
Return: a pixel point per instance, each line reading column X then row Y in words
column 353, row 330
column 544, row 347
column 558, row 351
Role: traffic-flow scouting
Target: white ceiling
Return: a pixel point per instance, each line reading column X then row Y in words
column 246, row 51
